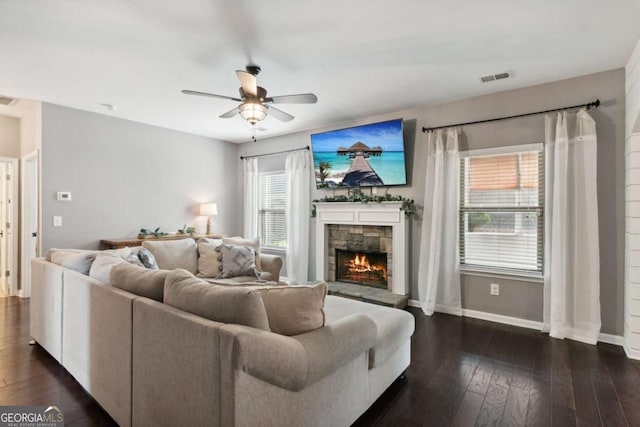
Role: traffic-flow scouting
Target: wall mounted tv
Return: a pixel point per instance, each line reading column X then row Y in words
column 363, row 156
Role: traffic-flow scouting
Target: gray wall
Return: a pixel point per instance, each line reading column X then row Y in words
column 9, row 137
column 517, row 298
column 125, row 175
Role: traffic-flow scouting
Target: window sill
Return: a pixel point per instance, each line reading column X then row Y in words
column 523, row 277
column 270, row 249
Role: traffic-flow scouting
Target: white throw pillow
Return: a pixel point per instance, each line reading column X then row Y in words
column 209, row 261
column 172, row 254
column 101, row 267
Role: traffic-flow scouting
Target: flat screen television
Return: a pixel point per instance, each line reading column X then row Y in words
column 363, row 156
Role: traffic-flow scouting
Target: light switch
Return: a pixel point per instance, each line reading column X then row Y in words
column 57, row 221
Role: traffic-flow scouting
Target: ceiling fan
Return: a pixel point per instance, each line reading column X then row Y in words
column 255, row 104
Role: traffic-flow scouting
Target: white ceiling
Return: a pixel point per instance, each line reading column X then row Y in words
column 361, row 57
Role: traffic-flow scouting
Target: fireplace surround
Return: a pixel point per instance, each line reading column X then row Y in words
column 394, row 241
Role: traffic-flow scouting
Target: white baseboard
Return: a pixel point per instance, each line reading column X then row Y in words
column 505, row 320
column 611, row 339
column 531, row 324
column 631, row 354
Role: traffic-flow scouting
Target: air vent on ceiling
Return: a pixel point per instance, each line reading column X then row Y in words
column 5, row 100
column 493, row 77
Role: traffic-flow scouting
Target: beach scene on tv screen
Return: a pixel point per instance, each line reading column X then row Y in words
column 364, row 156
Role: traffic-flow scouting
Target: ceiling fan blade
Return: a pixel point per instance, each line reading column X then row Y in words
column 211, row 95
column 301, row 98
column 230, row 113
column 279, row 114
column 248, row 82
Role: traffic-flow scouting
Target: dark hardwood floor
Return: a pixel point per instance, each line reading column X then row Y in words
column 463, row 372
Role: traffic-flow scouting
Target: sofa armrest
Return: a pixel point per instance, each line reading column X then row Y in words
column 293, row 363
column 271, row 264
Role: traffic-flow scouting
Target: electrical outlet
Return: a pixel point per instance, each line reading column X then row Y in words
column 495, row 289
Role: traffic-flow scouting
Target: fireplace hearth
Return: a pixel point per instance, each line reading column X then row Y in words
column 362, row 267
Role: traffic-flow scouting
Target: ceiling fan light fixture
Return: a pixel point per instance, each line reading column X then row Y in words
column 253, row 112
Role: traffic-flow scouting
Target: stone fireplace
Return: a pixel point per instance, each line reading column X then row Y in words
column 348, row 232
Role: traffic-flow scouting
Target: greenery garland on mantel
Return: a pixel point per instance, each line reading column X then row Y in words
column 357, row 196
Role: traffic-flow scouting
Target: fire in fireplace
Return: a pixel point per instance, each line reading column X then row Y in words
column 361, row 267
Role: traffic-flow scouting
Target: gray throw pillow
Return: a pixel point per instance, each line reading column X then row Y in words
column 133, row 259
column 147, row 259
column 237, row 261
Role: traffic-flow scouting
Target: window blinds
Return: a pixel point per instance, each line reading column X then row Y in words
column 271, row 210
column 501, row 212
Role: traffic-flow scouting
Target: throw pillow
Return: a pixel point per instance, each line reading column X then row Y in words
column 147, row 259
column 139, row 280
column 294, row 310
column 78, row 261
column 237, row 261
column 172, row 254
column 134, row 259
column 242, row 306
column 239, row 241
column 209, row 260
column 102, row 265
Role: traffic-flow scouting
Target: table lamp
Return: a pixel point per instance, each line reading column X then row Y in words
column 208, row 210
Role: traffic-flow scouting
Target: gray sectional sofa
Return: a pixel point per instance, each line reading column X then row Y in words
column 151, row 364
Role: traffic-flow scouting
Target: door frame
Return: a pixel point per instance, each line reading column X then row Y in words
column 25, row 195
column 15, row 217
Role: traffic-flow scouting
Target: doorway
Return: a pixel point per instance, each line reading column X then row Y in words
column 8, row 235
column 30, row 219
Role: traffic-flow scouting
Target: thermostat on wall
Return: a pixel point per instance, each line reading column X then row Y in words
column 64, row 196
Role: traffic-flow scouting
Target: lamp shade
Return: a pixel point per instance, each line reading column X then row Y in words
column 208, row 209
column 253, row 112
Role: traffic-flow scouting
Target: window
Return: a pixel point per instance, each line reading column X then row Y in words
column 501, row 211
column 271, row 212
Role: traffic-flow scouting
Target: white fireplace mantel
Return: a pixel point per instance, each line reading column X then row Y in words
column 372, row 213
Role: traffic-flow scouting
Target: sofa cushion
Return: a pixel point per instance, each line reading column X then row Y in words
column 209, row 260
column 102, row 265
column 139, row 280
column 241, row 306
column 78, row 261
column 394, row 326
column 254, row 244
column 237, row 261
column 294, row 310
column 172, row 254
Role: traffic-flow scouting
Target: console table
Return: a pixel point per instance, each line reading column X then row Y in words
column 121, row 243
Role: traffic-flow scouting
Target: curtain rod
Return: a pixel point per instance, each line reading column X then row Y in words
column 273, row 154
column 594, row 104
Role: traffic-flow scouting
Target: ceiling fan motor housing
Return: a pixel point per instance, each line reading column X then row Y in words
column 253, row 69
column 262, row 94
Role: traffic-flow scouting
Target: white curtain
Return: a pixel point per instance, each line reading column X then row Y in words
column 572, row 260
column 438, row 272
column 298, row 170
column 251, row 198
